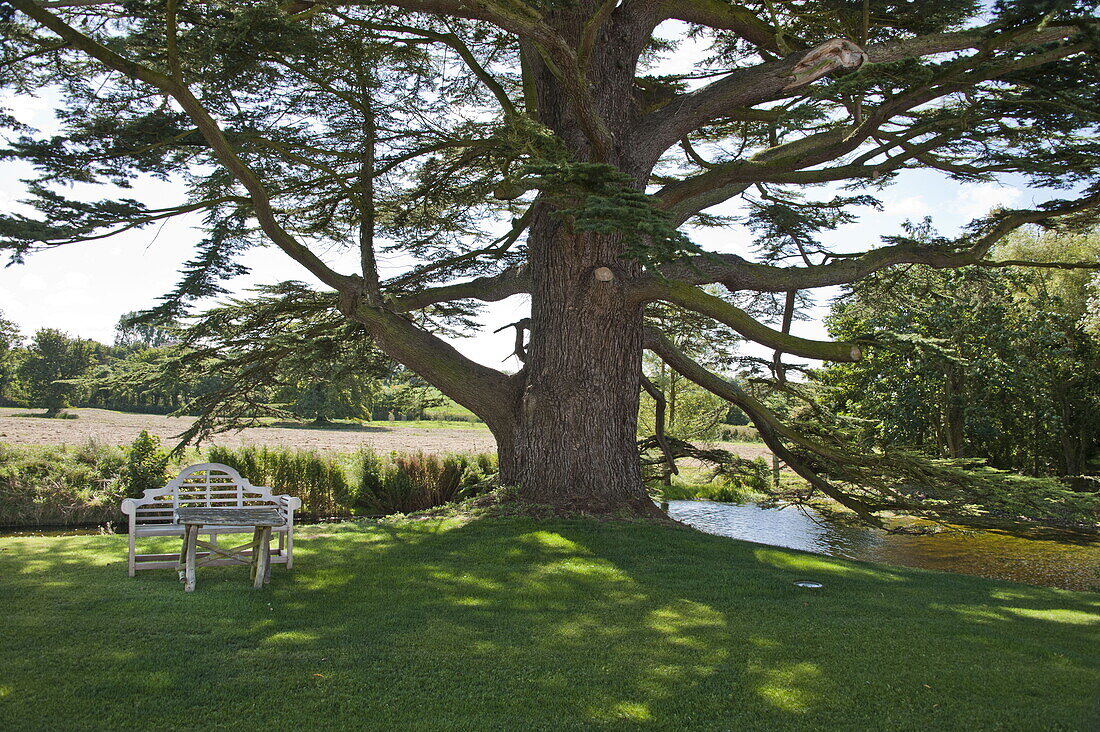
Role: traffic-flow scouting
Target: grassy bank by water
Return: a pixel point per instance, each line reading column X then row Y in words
column 506, row 623
column 52, row 486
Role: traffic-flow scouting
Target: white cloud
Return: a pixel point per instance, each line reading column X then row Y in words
column 976, row 199
column 32, row 283
column 910, row 207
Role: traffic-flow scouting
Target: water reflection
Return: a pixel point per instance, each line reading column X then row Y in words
column 1055, row 558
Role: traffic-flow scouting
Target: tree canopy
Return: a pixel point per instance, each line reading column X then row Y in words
column 977, row 362
column 507, row 147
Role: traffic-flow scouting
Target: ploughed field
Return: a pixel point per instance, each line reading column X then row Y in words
column 121, row 428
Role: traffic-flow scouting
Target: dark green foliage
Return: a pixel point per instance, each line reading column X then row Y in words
column 365, row 483
column 145, row 380
column 61, row 486
column 756, row 477
column 407, row 483
column 316, row 479
column 52, row 368
column 599, row 198
column 10, row 341
column 973, row 363
column 286, row 352
column 146, row 466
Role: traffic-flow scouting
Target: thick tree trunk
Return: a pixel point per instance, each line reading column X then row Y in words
column 574, row 444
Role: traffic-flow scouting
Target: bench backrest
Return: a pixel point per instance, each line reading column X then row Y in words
column 207, row 485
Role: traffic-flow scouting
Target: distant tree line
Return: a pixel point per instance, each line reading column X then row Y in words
column 161, row 369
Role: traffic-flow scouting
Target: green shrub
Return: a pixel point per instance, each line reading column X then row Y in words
column 66, row 486
column 146, row 466
column 414, row 482
column 749, row 477
column 738, row 433
column 451, row 414
column 60, row 486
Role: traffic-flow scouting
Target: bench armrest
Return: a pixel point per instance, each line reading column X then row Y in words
column 129, row 506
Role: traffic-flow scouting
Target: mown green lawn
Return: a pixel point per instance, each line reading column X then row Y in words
column 512, row 623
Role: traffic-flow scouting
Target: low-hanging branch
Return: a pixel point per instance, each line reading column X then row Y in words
column 869, row 482
column 693, row 298
column 771, row 429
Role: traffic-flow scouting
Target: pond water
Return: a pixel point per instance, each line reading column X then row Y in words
column 1038, row 556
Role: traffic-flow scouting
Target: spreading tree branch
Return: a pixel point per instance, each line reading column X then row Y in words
column 483, row 390
column 767, row 82
column 724, row 16
column 737, row 273
column 512, row 281
column 772, row 430
column 693, row 298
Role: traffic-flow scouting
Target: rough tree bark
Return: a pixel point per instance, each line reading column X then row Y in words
column 576, row 423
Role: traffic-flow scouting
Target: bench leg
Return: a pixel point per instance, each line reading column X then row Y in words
column 267, row 554
column 254, row 560
column 181, row 564
column 262, row 555
column 192, row 533
column 131, row 565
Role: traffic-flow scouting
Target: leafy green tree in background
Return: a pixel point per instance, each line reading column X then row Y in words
column 146, row 465
column 404, row 395
column 977, row 362
column 691, row 412
column 288, row 352
column 133, row 333
column 509, row 146
column 53, row 367
column 144, row 380
column 10, row 341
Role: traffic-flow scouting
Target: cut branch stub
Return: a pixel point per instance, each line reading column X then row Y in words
column 833, row 54
column 521, row 326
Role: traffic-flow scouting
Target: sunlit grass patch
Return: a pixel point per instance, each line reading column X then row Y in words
column 510, row 623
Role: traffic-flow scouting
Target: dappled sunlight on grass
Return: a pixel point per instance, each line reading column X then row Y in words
column 623, row 711
column 290, row 638
column 792, row 687
column 815, row 563
column 507, row 623
column 1073, row 617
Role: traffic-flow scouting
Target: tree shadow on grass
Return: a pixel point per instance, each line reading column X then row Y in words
column 518, row 623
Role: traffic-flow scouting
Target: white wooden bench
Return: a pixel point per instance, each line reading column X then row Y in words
column 208, row 485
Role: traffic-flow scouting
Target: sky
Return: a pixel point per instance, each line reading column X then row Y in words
column 84, row 288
